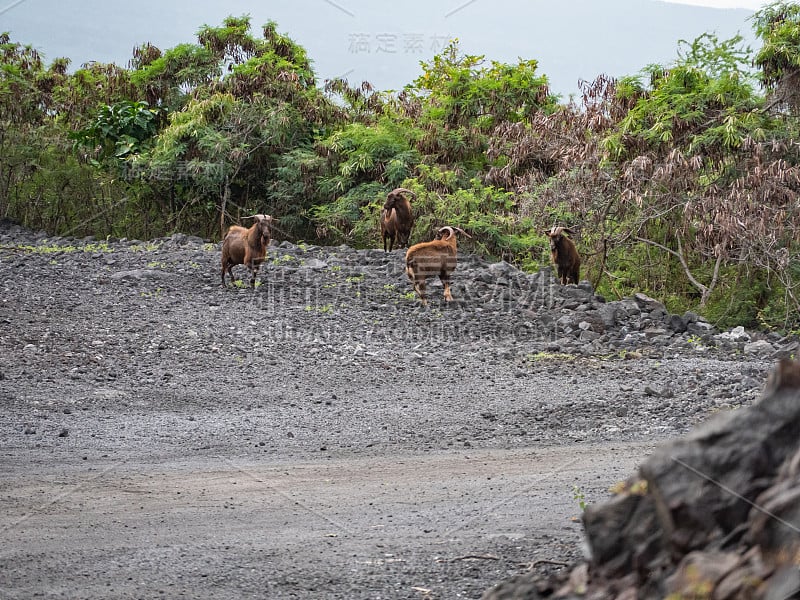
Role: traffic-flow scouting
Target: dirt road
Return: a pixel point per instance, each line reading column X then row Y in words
column 410, row 526
column 320, row 436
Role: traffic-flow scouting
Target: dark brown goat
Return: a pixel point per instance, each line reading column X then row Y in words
column 396, row 219
column 246, row 247
column 565, row 255
column 437, row 257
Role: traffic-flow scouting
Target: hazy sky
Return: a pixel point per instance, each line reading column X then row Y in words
column 751, row 4
column 384, row 42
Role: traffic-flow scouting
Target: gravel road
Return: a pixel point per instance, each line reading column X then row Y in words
column 321, row 436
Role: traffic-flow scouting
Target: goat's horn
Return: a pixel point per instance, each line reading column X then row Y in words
column 401, row 190
column 556, row 230
column 448, row 229
column 462, row 232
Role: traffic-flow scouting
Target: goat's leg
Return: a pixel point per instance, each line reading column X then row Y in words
column 446, row 283
column 256, row 265
column 228, row 266
column 253, row 273
column 419, row 287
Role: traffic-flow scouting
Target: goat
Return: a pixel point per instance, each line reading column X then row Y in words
column 565, row 255
column 437, row 257
column 396, row 219
column 246, row 246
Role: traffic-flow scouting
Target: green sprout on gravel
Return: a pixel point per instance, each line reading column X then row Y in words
column 242, row 284
column 550, row 356
column 623, row 354
column 324, row 308
column 156, row 264
column 45, row 249
column 286, row 258
column 144, row 247
column 695, row 340
column 98, row 247
column 579, row 495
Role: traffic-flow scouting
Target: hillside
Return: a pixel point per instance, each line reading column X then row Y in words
column 321, row 435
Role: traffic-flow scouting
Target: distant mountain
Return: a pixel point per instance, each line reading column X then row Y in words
column 384, row 42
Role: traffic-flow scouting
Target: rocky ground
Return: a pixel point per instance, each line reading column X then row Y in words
column 322, row 435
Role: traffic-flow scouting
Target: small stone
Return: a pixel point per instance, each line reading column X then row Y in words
column 737, row 334
column 759, row 347
column 589, row 336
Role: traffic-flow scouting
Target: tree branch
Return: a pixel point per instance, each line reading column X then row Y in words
column 705, row 291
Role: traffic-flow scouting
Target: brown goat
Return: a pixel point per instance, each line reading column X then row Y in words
column 396, row 219
column 246, row 247
column 565, row 255
column 437, row 257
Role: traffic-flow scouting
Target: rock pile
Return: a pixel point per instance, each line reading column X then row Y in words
column 535, row 307
column 713, row 515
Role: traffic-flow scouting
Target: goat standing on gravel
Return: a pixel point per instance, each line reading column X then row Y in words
column 565, row 255
column 396, row 219
column 246, row 247
column 437, row 257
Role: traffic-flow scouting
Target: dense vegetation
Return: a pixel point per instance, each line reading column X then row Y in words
column 682, row 180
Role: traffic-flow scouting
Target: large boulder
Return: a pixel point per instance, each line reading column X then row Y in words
column 713, row 515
